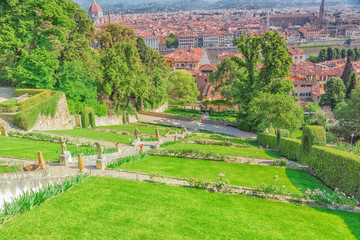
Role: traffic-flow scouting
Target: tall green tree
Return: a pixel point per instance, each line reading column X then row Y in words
column 114, row 33
column 343, row 53
column 275, row 110
column 331, row 53
column 351, row 85
column 322, row 55
column 351, row 54
column 123, row 78
column 182, row 87
column 264, row 63
column 36, row 36
column 334, row 92
column 349, row 68
column 357, row 53
column 338, row 53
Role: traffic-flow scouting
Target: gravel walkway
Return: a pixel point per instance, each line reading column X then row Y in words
column 196, row 126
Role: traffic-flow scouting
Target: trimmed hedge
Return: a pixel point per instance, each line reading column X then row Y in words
column 88, row 117
column 244, row 126
column 337, row 169
column 28, row 118
column 37, row 96
column 290, row 148
column 267, row 140
column 312, row 135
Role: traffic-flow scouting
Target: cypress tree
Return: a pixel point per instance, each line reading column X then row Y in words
column 343, row 53
column 347, row 72
column 352, row 84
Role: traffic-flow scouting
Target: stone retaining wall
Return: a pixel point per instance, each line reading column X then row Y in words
column 12, row 185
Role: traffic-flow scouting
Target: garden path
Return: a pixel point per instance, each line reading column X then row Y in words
column 196, row 126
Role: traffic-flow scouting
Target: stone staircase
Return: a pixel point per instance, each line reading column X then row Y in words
column 9, row 126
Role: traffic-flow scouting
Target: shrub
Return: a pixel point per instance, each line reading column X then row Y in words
column 88, row 117
column 337, row 169
column 28, row 118
column 312, row 135
column 290, row 148
column 334, row 198
column 189, row 153
column 267, row 140
column 279, row 134
column 281, row 162
column 244, row 126
column 127, row 159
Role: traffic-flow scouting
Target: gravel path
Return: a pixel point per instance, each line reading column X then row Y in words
column 196, row 126
column 6, row 93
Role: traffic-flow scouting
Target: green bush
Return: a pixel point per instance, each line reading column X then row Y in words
column 312, row 135
column 244, row 126
column 88, row 117
column 36, row 97
column 290, row 148
column 279, row 134
column 267, row 140
column 28, row 118
column 337, row 169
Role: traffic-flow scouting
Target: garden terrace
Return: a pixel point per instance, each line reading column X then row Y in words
column 239, row 174
column 233, row 151
column 142, row 127
column 28, row 149
column 155, row 211
column 183, row 112
column 236, row 142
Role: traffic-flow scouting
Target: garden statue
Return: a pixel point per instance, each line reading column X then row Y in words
column 167, row 130
column 63, row 145
column 182, row 130
column 137, row 134
column 99, row 150
column 117, row 147
column 81, row 164
column 157, row 133
column 141, row 148
column 3, row 130
column 41, row 161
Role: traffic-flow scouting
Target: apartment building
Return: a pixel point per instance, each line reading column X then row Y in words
column 211, row 40
column 152, row 42
column 188, row 40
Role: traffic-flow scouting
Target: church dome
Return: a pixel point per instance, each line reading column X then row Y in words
column 94, row 8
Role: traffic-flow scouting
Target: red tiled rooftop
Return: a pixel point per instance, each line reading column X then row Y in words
column 94, row 8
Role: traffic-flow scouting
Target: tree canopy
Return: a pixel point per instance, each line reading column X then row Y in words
column 334, row 92
column 182, row 87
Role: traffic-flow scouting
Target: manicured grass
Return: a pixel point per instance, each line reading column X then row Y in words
column 143, row 128
column 297, row 134
column 223, row 118
column 183, row 112
column 236, row 142
column 238, row 174
column 5, row 169
column 110, row 208
column 92, row 134
column 245, row 152
column 25, row 148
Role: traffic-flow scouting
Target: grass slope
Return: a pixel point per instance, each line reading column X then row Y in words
column 238, row 174
column 245, row 152
column 143, row 128
column 105, row 136
column 109, row 208
column 5, row 169
column 236, row 142
column 25, row 148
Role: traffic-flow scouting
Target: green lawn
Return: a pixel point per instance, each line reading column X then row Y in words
column 5, row 169
column 236, row 142
column 109, row 208
column 245, row 152
column 238, row 174
column 143, row 128
column 183, row 112
column 92, row 134
column 223, row 118
column 25, row 148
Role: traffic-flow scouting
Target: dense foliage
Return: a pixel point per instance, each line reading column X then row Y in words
column 53, row 45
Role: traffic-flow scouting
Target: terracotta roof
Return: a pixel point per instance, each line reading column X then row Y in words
column 291, row 15
column 208, row 67
column 94, row 8
column 186, row 55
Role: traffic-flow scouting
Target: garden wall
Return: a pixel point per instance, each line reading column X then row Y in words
column 164, row 115
column 103, row 121
column 60, row 121
column 14, row 184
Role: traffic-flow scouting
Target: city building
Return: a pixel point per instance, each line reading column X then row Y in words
column 95, row 12
column 152, row 42
column 210, row 40
column 297, row 55
column 188, row 40
column 188, row 59
column 292, row 19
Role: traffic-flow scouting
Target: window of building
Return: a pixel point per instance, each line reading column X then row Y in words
column 302, row 94
column 303, row 85
column 308, row 85
column 295, row 85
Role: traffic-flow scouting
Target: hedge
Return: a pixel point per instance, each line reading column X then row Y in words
column 88, row 117
column 290, row 148
column 28, row 118
column 312, row 135
column 37, row 97
column 267, row 140
column 337, row 169
column 244, row 126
